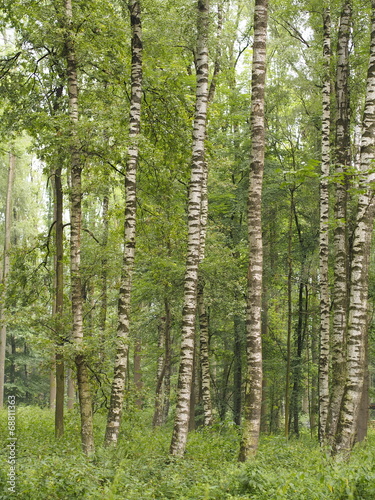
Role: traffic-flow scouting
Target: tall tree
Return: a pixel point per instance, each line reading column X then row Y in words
column 253, row 394
column 120, row 365
column 185, row 376
column 340, row 240
column 59, row 304
column 323, row 233
column 5, row 271
column 358, row 304
column 83, row 381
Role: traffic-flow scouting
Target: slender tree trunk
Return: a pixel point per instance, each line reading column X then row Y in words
column 160, row 372
column 202, row 312
column 237, row 370
column 204, row 358
column 340, row 242
column 205, row 379
column 253, row 396
column 168, row 359
column 181, row 424
column 59, row 303
column 83, row 382
column 323, row 242
column 5, row 272
column 289, row 327
column 138, row 384
column 193, row 392
column 104, row 280
column 70, row 393
column 363, row 414
column 52, row 385
column 120, row 368
column 358, row 308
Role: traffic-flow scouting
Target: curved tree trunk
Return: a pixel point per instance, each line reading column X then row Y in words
column 185, row 377
column 340, row 241
column 120, row 368
column 358, row 308
column 323, row 243
column 253, row 395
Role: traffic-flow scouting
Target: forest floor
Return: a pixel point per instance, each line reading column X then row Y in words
column 140, row 469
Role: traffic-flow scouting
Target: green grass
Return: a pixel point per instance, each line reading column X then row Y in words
column 140, row 468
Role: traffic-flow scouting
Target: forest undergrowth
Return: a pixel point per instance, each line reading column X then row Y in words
column 141, row 469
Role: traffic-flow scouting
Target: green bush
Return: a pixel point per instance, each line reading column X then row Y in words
column 141, row 469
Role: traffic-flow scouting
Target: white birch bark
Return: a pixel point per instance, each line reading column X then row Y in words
column 340, row 242
column 323, row 242
column 83, row 382
column 358, row 307
column 181, row 423
column 5, row 272
column 120, row 365
column 253, row 394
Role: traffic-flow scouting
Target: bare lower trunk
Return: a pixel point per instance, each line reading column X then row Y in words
column 5, row 272
column 358, row 308
column 289, row 327
column 59, row 303
column 204, row 358
column 138, row 384
column 342, row 159
column 202, row 311
column 237, row 370
column 253, row 395
column 104, row 280
column 363, row 413
column 120, row 365
column 168, row 356
column 323, row 243
column 160, row 372
column 83, row 382
column 70, row 395
column 185, row 378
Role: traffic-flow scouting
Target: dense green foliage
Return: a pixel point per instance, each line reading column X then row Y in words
column 140, row 469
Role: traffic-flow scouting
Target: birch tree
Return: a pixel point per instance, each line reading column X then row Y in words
column 253, row 394
column 120, row 365
column 185, row 376
column 323, row 244
column 358, row 304
column 83, row 381
column 340, row 240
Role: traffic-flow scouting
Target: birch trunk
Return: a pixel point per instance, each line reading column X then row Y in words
column 204, row 357
column 340, row 241
column 185, row 377
column 253, row 395
column 83, row 382
column 120, row 365
column 323, row 234
column 104, row 280
column 202, row 312
column 358, row 305
column 5, row 272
